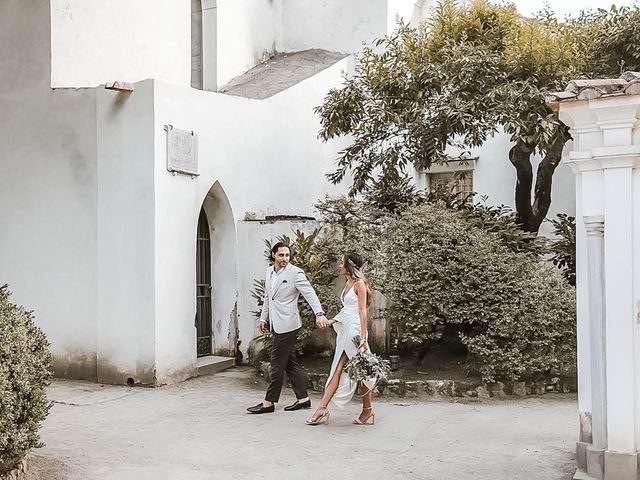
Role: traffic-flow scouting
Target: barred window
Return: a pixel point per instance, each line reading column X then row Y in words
column 458, row 183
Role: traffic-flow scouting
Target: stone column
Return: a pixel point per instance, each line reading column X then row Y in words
column 594, row 226
column 583, row 333
column 604, row 118
column 621, row 459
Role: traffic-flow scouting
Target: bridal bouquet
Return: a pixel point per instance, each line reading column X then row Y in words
column 366, row 365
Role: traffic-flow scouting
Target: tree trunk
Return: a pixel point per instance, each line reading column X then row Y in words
column 542, row 196
column 529, row 216
column 520, row 157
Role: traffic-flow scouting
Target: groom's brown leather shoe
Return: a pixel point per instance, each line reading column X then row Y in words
column 298, row 405
column 258, row 409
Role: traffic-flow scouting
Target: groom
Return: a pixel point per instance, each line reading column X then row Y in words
column 283, row 285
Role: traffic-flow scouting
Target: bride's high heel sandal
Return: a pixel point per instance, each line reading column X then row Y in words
column 324, row 418
column 371, row 416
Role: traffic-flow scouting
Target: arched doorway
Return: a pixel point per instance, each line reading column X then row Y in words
column 203, row 287
column 216, row 277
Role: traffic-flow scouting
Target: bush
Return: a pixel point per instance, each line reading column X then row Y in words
column 501, row 221
column 25, row 371
column 515, row 314
column 563, row 247
column 359, row 225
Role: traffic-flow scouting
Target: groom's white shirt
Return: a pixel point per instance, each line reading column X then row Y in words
column 282, row 290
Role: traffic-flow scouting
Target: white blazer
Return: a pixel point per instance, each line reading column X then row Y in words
column 280, row 305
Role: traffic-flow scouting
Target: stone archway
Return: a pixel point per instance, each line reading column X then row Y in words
column 223, row 269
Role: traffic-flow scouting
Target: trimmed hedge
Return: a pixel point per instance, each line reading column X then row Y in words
column 514, row 313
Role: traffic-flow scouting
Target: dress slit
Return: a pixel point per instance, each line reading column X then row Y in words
column 347, row 327
column 333, row 370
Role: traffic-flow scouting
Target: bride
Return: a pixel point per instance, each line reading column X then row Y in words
column 350, row 322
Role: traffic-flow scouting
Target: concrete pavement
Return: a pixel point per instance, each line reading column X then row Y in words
column 199, row 430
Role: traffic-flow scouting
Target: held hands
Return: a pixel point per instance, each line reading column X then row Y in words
column 262, row 326
column 322, row 322
column 363, row 344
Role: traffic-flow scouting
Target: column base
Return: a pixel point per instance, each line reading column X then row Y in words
column 581, row 455
column 598, row 464
column 595, row 462
column 582, row 475
column 620, row 466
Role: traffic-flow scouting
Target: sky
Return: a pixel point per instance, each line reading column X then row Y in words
column 565, row 7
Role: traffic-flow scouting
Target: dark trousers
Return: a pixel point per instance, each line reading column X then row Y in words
column 283, row 359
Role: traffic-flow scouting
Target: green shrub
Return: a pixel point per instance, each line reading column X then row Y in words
column 502, row 221
column 563, row 247
column 24, row 374
column 514, row 313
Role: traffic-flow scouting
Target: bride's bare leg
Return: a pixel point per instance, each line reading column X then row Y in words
column 331, row 387
column 366, row 404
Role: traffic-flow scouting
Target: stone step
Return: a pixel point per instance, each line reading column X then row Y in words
column 582, row 475
column 213, row 364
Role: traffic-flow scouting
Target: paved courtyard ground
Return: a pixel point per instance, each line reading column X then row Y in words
column 199, row 430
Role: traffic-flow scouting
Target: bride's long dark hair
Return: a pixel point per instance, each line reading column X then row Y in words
column 352, row 263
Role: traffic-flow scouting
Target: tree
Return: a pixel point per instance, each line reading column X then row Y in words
column 469, row 72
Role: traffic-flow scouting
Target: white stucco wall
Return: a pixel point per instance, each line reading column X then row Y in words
column 266, row 157
column 47, row 190
column 406, row 11
column 115, row 282
column 93, row 42
column 246, row 34
column 332, row 24
column 250, row 30
column 423, row 10
column 126, row 221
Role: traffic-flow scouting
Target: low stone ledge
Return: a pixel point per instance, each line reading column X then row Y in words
column 447, row 388
column 18, row 473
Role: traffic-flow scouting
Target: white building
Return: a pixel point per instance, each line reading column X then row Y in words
column 99, row 237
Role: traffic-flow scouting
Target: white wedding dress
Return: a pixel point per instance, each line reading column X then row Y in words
column 347, row 326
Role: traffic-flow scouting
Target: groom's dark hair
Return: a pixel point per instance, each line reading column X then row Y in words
column 278, row 245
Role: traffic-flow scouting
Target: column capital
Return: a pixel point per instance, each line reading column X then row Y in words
column 594, row 224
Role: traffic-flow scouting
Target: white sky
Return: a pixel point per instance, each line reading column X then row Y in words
column 565, row 7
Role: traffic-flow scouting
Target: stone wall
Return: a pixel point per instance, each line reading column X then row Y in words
column 469, row 389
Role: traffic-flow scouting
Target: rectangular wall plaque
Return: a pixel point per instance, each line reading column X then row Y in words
column 182, row 150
